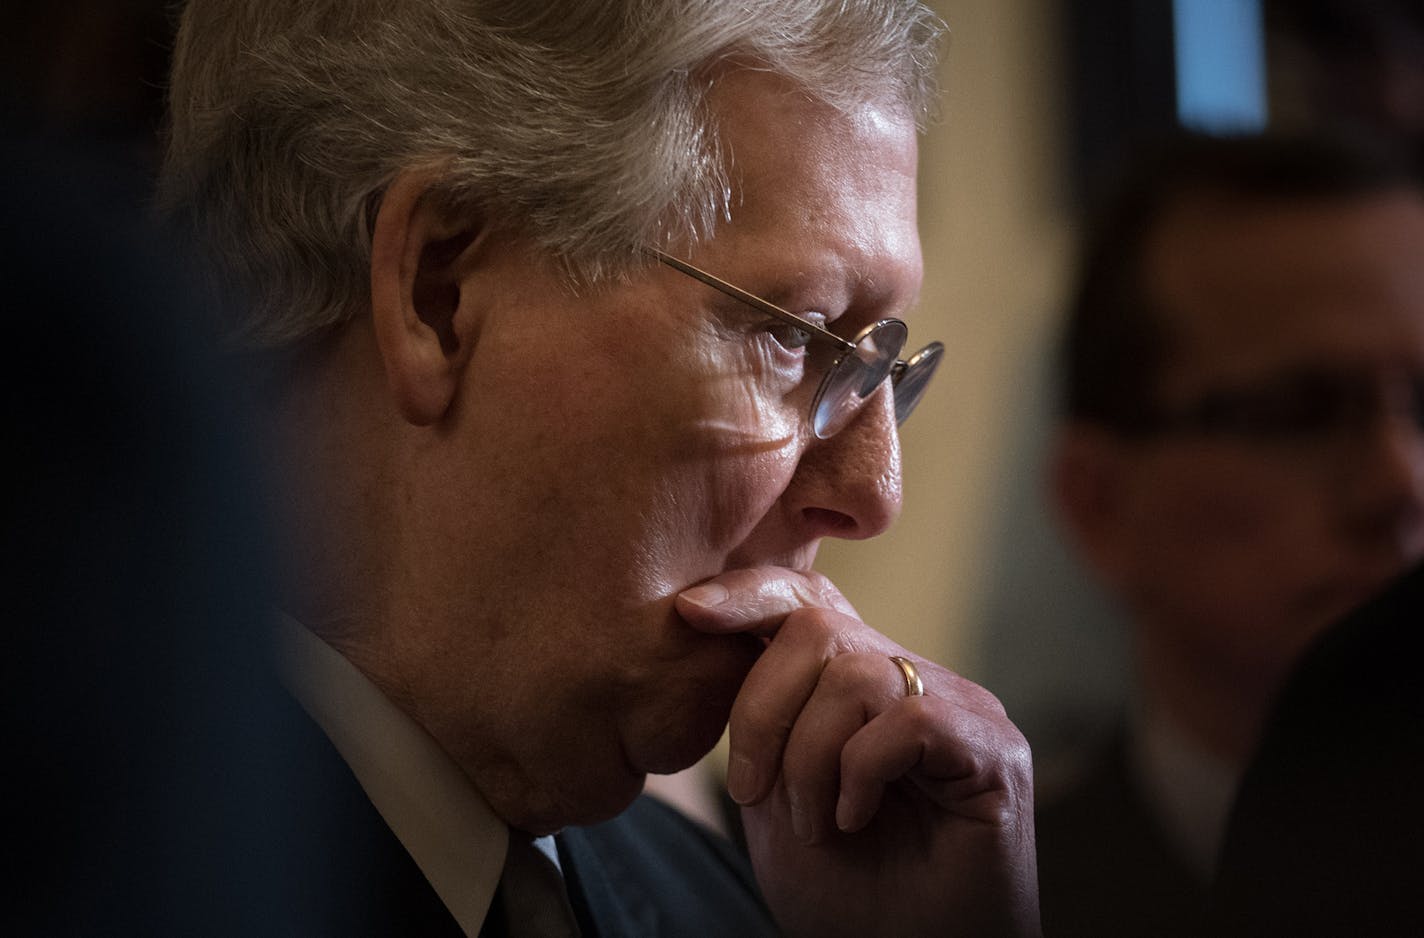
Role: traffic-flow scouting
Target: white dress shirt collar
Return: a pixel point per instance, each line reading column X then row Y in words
column 432, row 807
column 1188, row 789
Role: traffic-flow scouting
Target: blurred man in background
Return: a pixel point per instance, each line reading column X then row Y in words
column 1241, row 461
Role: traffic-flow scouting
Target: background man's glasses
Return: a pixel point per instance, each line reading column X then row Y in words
column 860, row 365
column 1305, row 407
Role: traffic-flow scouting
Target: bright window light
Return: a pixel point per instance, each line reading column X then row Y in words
column 1221, row 72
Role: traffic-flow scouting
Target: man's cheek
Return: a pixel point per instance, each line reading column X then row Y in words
column 1228, row 516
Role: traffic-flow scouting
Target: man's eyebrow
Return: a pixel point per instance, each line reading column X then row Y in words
column 828, row 289
column 789, row 294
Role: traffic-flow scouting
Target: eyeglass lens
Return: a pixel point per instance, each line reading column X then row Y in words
column 913, row 377
column 856, row 375
column 858, row 371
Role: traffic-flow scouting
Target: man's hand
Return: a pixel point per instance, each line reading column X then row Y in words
column 869, row 812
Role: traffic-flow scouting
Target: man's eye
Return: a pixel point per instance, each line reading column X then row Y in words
column 788, row 336
column 1301, row 409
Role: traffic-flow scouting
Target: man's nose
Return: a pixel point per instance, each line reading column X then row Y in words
column 849, row 486
column 1386, row 487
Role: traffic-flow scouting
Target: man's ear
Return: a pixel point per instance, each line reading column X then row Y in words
column 1090, row 487
column 419, row 253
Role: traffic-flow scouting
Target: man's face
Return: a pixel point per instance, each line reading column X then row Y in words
column 611, row 449
column 1303, row 328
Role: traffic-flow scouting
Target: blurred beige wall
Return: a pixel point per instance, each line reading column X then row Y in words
column 996, row 236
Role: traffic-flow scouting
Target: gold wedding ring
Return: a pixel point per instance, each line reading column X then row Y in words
column 914, row 687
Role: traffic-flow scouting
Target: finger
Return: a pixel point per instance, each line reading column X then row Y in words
column 756, row 599
column 776, row 691
column 976, row 766
column 853, row 688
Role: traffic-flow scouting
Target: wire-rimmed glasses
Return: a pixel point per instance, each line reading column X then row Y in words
column 860, row 364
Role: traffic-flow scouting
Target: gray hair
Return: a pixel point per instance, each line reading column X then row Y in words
column 580, row 124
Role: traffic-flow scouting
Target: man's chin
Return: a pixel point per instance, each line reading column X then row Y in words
column 584, row 804
column 1337, row 598
column 681, row 730
column 686, row 756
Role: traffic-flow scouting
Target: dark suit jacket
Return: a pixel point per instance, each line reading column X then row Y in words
column 648, row 872
column 1327, row 833
column 1104, row 867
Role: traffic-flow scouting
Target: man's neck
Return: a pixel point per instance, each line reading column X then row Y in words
column 1216, row 714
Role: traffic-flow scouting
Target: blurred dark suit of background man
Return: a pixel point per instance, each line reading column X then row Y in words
column 1326, row 836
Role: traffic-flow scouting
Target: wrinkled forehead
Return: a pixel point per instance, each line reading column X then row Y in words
column 773, row 132
column 820, row 194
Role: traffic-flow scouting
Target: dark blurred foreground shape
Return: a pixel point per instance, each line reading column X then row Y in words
column 139, row 711
column 152, row 775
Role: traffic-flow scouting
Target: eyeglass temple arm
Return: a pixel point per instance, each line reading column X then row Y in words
column 752, row 300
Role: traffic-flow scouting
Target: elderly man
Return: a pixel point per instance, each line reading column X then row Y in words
column 1241, row 461
column 582, row 331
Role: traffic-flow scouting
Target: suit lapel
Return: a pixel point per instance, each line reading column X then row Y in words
column 605, row 900
column 651, row 872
